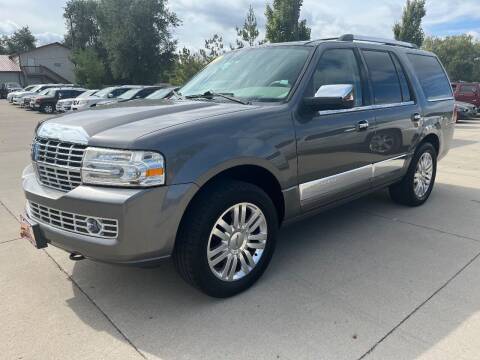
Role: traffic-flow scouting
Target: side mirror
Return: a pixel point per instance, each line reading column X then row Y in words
column 110, row 95
column 332, row 97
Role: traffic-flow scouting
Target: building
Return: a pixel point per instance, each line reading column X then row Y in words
column 9, row 70
column 45, row 64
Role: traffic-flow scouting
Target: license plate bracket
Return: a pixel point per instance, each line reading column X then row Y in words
column 30, row 231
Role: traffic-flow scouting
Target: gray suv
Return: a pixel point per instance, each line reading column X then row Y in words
column 261, row 137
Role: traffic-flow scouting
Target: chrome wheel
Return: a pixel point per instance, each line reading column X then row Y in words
column 237, row 242
column 423, row 175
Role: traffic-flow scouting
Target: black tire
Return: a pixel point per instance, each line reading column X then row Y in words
column 190, row 253
column 403, row 192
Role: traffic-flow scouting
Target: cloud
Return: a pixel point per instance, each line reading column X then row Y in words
column 7, row 27
column 47, row 38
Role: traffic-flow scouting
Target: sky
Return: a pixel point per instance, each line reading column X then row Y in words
column 203, row 18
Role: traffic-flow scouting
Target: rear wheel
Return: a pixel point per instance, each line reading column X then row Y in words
column 417, row 185
column 227, row 238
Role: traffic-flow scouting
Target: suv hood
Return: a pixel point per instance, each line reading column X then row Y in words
column 121, row 124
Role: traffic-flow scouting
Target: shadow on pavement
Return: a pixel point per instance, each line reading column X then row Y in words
column 337, row 284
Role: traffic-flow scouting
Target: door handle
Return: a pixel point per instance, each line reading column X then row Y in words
column 362, row 125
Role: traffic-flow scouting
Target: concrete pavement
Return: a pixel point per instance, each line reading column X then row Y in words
column 369, row 280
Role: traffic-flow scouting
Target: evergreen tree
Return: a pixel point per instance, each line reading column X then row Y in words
column 410, row 27
column 283, row 22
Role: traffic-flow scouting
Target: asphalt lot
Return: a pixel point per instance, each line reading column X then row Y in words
column 370, row 280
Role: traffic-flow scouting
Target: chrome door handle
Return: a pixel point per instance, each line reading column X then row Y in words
column 362, row 125
column 417, row 119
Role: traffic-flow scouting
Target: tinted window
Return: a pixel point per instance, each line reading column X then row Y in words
column 468, row 89
column 406, row 95
column 385, row 82
column 339, row 66
column 433, row 79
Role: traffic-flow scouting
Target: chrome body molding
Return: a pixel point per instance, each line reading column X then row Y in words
column 340, row 182
column 364, row 108
column 441, row 99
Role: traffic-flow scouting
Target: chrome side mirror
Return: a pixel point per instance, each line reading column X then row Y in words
column 332, row 97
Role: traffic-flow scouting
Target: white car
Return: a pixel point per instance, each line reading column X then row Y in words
column 12, row 94
column 101, row 96
column 65, row 105
column 19, row 98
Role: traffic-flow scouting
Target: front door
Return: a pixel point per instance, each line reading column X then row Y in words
column 334, row 156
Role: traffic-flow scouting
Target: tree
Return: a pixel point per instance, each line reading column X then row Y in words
column 20, row 41
column 214, row 47
column 459, row 54
column 410, row 27
column 187, row 64
column 137, row 38
column 3, row 45
column 249, row 32
column 283, row 22
column 82, row 24
column 89, row 69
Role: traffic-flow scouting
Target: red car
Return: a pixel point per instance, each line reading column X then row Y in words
column 467, row 92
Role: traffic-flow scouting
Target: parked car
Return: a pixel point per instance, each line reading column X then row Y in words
column 28, row 98
column 467, row 92
column 47, row 103
column 132, row 94
column 465, row 110
column 7, row 88
column 14, row 93
column 65, row 105
column 162, row 93
column 261, row 137
column 102, row 96
column 18, row 99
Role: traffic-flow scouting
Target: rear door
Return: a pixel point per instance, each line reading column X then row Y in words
column 334, row 157
column 397, row 114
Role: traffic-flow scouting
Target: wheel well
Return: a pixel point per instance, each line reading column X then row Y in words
column 258, row 176
column 433, row 139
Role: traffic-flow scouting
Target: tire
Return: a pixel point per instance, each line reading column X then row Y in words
column 197, row 236
column 47, row 108
column 404, row 192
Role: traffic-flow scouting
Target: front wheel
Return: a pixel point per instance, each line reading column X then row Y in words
column 227, row 238
column 47, row 108
column 417, row 185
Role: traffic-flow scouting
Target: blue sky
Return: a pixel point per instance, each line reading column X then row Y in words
column 201, row 19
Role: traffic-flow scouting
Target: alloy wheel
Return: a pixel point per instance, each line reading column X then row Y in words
column 423, row 175
column 237, row 242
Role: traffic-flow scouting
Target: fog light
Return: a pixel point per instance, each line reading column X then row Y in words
column 93, row 226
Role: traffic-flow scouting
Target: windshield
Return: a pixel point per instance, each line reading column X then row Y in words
column 129, row 94
column 255, row 74
column 87, row 94
column 104, row 92
column 159, row 94
column 44, row 92
column 30, row 88
column 13, row 85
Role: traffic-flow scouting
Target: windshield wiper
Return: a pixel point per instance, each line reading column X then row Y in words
column 211, row 94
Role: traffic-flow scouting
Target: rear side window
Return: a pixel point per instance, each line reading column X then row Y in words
column 432, row 77
column 470, row 89
column 384, row 77
column 406, row 95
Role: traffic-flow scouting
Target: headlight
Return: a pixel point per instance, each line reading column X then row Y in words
column 123, row 168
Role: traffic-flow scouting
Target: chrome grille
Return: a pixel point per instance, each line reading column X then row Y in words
column 73, row 222
column 58, row 163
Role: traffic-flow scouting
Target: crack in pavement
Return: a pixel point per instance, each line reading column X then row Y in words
column 369, row 351
column 421, row 226
column 109, row 320
column 8, row 241
column 9, row 211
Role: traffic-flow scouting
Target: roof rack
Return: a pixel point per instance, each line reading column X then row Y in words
column 351, row 37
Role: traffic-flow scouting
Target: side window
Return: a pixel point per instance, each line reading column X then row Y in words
column 468, row 89
column 339, row 66
column 406, row 95
column 385, row 81
column 432, row 77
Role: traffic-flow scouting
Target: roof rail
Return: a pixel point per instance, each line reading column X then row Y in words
column 351, row 37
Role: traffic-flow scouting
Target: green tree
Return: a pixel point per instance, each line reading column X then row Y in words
column 459, row 54
column 89, row 69
column 137, row 38
column 283, row 22
column 3, row 45
column 214, row 47
column 20, row 41
column 82, row 24
column 249, row 32
column 409, row 29
column 187, row 64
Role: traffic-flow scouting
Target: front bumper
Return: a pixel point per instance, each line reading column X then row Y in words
column 148, row 219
